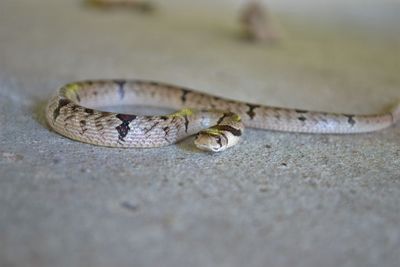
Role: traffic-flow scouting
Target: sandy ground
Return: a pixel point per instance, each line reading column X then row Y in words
column 277, row 199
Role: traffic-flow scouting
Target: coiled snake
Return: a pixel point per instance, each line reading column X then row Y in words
column 218, row 122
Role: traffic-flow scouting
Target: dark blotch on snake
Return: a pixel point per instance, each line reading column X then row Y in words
column 154, row 83
column 351, row 120
column 75, row 108
column 302, row 118
column 126, row 117
column 121, row 89
column 103, row 115
column 89, row 111
column 69, row 117
column 235, row 132
column 223, row 117
column 251, row 112
column 77, row 97
column 186, row 123
column 98, row 120
column 164, row 118
column 82, row 123
column 184, row 93
column 61, row 103
column 123, row 128
column 166, row 130
column 151, row 128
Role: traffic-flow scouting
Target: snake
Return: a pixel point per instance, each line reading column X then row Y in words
column 217, row 123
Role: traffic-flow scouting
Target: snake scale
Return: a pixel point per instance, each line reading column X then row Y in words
column 217, row 122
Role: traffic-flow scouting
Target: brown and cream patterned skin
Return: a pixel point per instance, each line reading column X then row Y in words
column 218, row 122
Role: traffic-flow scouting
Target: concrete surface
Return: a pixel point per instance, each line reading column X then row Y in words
column 277, row 199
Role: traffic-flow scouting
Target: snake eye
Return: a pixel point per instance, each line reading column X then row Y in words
column 219, row 141
column 216, row 145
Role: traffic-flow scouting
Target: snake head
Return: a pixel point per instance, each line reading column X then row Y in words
column 211, row 142
column 217, row 138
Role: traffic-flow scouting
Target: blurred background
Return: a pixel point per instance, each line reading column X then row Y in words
column 278, row 199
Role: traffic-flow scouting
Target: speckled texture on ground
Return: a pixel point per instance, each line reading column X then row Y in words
column 277, row 199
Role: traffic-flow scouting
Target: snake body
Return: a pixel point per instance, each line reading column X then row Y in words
column 218, row 122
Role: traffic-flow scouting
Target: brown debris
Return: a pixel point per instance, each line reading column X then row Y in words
column 257, row 23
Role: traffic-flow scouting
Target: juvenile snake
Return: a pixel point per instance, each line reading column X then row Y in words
column 218, row 122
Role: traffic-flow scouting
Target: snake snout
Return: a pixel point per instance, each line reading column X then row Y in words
column 210, row 142
column 215, row 141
